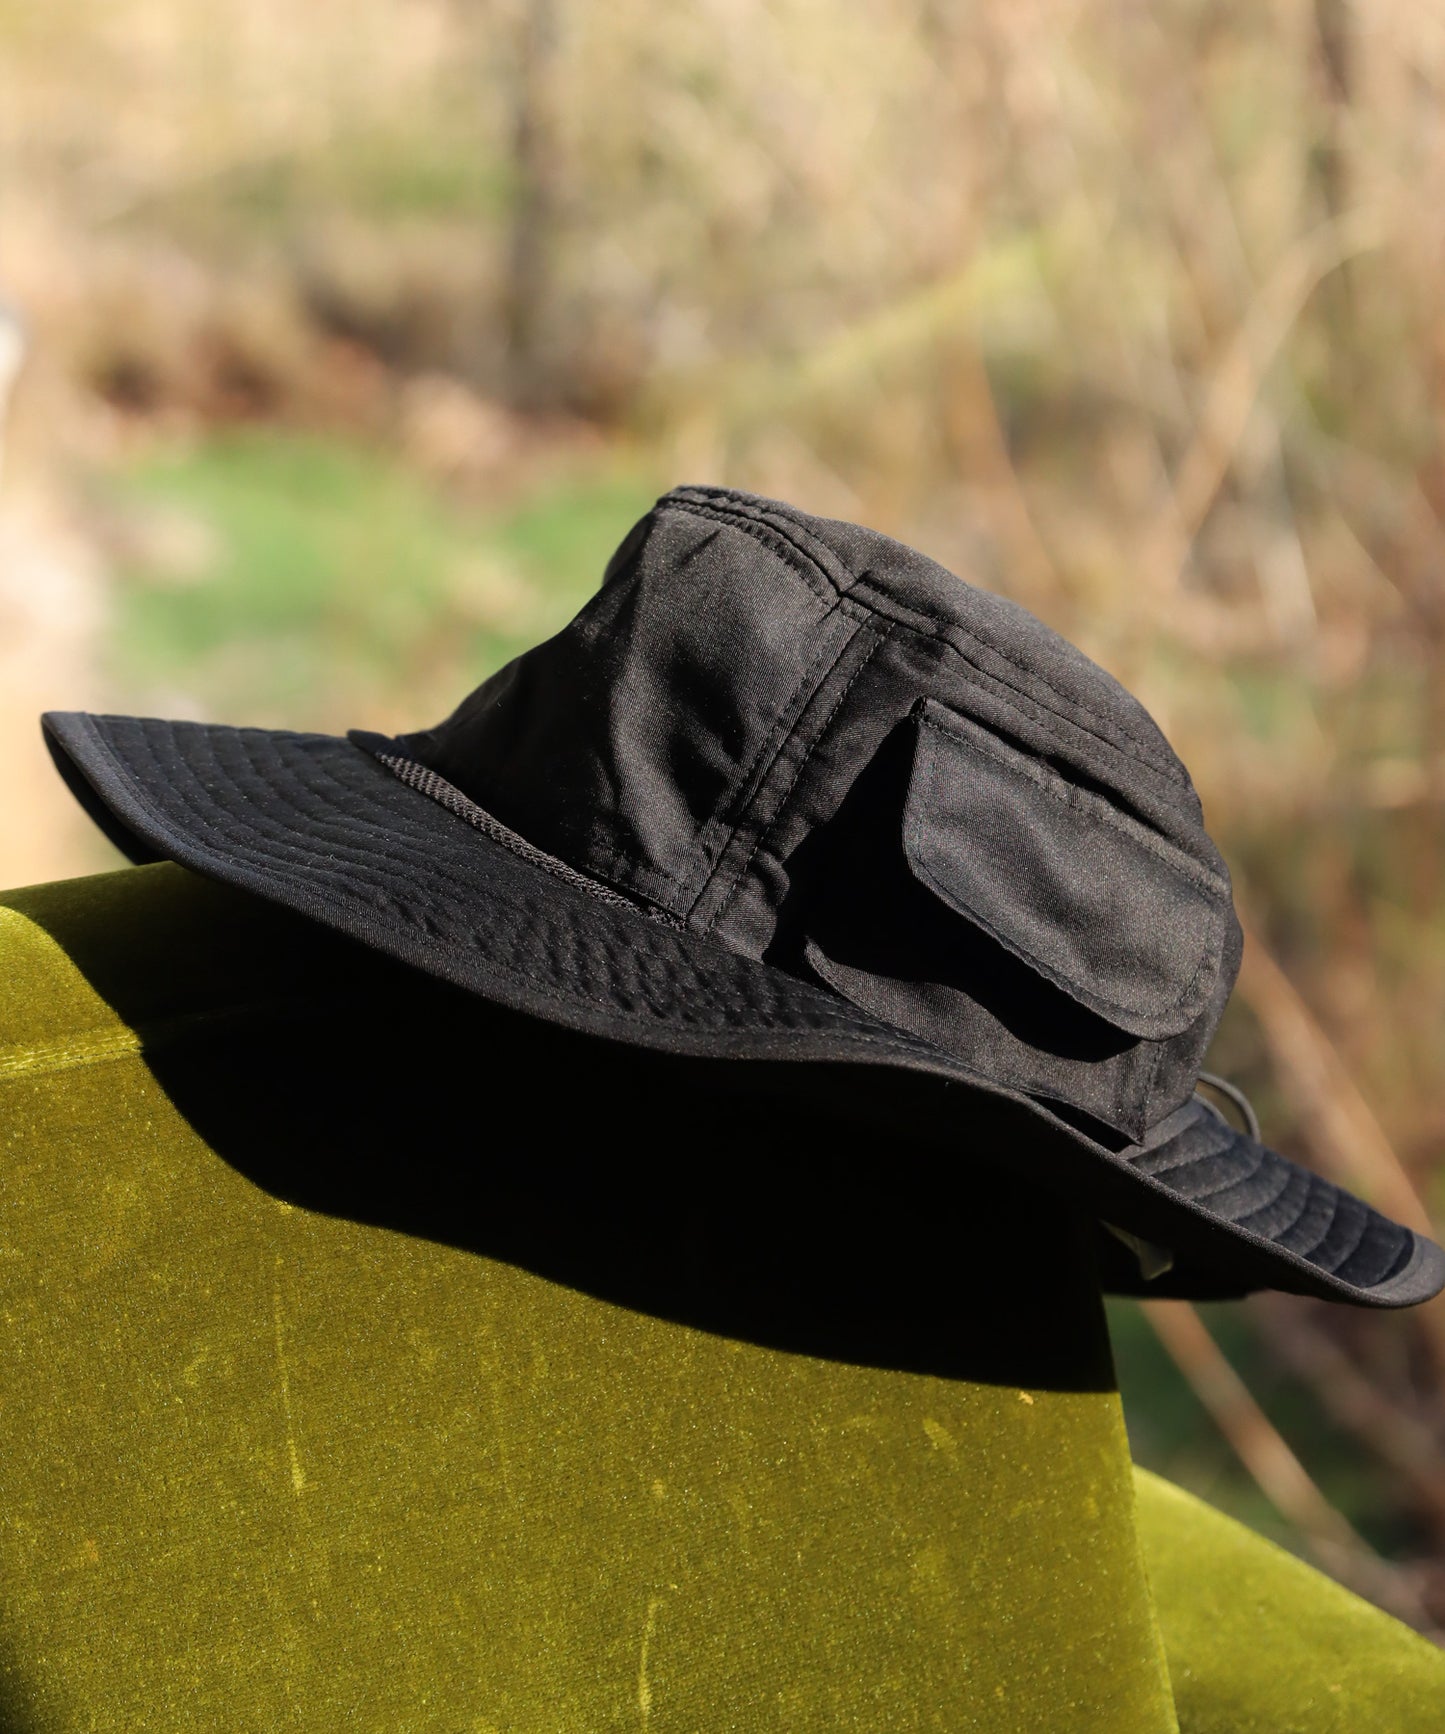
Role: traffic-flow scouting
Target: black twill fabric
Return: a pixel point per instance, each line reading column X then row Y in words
column 754, row 698
column 787, row 791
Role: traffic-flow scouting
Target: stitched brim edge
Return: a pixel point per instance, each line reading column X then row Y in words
column 315, row 824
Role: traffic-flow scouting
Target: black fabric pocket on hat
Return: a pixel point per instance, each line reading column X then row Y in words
column 1020, row 917
column 1105, row 909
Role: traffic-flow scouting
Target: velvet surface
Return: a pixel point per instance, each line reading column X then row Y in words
column 380, row 1461
column 358, row 1372
column 1261, row 1644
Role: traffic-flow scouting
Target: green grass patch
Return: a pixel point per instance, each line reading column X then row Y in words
column 286, row 578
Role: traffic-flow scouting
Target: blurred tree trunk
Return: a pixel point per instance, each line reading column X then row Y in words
column 527, row 289
column 1335, row 26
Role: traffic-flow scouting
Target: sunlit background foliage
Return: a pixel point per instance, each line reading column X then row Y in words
column 351, row 336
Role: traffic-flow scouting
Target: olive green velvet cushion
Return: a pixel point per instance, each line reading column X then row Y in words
column 348, row 1380
column 1261, row 1644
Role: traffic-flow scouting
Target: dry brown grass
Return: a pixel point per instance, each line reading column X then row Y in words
column 1129, row 310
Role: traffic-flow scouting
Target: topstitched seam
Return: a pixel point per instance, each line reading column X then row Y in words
column 435, row 787
column 392, row 852
column 1214, row 1138
column 1352, row 1250
column 694, row 883
column 820, row 1020
column 1328, row 1273
column 1148, row 1094
column 827, row 1017
column 782, row 547
column 766, row 530
column 1329, row 1228
column 1035, row 717
column 1324, row 1234
column 1401, row 1259
column 382, row 841
column 1145, row 753
column 1186, row 994
column 1190, row 1159
column 1287, row 1179
column 765, row 831
column 1094, row 806
column 1231, row 1181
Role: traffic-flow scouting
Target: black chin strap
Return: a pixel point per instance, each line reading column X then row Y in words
column 1233, row 1093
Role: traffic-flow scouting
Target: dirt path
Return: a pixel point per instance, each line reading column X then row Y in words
column 52, row 611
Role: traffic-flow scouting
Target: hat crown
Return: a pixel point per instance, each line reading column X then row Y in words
column 819, row 747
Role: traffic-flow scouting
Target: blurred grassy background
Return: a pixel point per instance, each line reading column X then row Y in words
column 351, row 337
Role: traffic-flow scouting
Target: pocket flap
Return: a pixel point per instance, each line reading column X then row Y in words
column 1122, row 920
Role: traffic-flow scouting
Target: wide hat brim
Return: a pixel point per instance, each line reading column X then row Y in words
column 318, row 825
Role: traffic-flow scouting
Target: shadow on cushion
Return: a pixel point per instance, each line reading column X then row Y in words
column 399, row 1418
column 823, row 1210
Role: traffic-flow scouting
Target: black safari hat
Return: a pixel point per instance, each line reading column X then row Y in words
column 786, row 790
